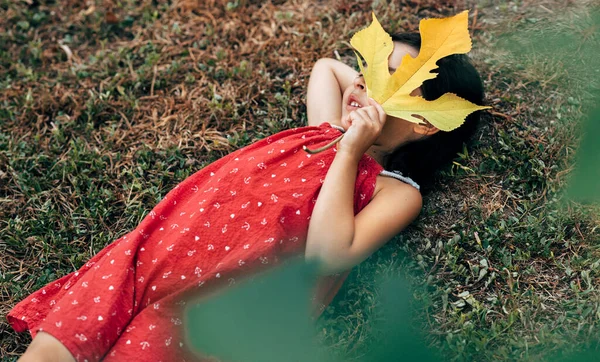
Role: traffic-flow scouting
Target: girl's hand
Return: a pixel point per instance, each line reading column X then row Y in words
column 366, row 124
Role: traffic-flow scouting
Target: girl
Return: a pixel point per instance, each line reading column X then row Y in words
column 250, row 210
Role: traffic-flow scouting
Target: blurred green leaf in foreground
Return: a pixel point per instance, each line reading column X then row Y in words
column 268, row 320
column 262, row 320
column 585, row 182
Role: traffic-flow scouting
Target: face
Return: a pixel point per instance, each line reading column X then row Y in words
column 396, row 131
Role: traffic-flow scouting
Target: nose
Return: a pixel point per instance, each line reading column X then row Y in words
column 359, row 82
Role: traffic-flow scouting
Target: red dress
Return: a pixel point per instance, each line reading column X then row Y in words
column 237, row 216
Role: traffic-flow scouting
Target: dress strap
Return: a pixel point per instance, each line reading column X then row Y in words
column 398, row 176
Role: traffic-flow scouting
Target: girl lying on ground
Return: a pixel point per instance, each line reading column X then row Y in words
column 249, row 211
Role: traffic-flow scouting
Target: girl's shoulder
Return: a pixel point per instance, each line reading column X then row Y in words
column 394, row 183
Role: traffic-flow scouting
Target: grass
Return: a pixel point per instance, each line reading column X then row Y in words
column 105, row 109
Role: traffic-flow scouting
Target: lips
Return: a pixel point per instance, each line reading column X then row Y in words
column 353, row 103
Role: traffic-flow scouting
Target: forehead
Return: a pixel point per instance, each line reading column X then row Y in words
column 400, row 50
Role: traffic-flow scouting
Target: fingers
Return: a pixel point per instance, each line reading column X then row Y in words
column 380, row 112
column 372, row 114
column 354, row 119
column 365, row 126
column 362, row 115
column 368, row 113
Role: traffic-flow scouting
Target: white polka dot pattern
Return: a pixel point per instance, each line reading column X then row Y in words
column 246, row 212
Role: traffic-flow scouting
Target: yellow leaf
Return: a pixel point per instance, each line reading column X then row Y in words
column 375, row 46
column 446, row 113
column 439, row 38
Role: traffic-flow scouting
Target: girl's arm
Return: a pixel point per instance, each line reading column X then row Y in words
column 337, row 238
column 328, row 80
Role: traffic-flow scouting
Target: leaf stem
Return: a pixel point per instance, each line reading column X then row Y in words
column 321, row 149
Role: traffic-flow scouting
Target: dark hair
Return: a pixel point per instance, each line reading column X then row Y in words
column 420, row 160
